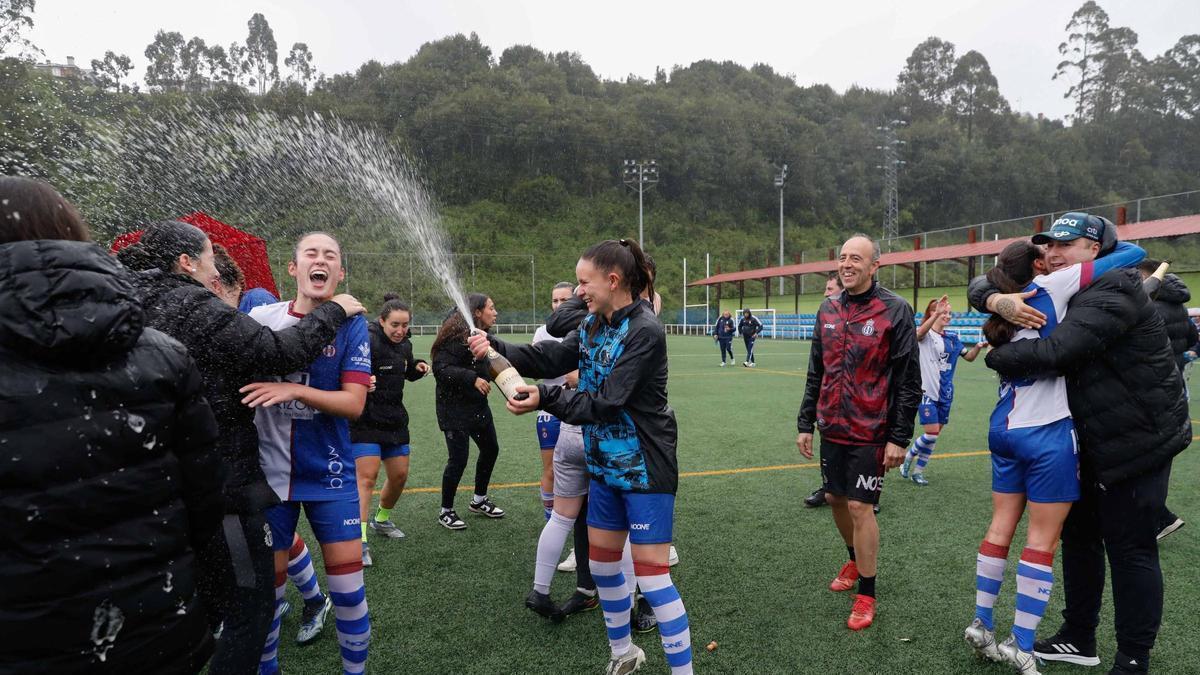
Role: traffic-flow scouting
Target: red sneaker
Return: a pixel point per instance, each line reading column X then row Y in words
column 845, row 579
column 863, row 613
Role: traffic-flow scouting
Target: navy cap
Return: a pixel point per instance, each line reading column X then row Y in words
column 1073, row 226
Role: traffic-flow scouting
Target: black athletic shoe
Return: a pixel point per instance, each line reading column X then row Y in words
column 486, row 508
column 542, row 604
column 1123, row 664
column 816, row 499
column 579, row 602
column 1062, row 647
column 1170, row 525
column 644, row 620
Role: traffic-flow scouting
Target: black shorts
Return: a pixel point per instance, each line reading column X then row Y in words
column 852, row 471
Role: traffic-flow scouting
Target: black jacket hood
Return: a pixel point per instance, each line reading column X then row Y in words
column 66, row 300
column 1173, row 290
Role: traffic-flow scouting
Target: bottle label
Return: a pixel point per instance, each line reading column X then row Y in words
column 508, row 380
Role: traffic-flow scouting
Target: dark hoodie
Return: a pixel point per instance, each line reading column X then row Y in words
column 107, row 472
column 1171, row 304
column 385, row 419
column 231, row 349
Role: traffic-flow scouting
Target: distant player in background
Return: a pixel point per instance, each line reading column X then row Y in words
column 305, row 449
column 750, row 328
column 381, row 436
column 723, row 332
column 940, row 350
column 833, row 286
column 1035, row 453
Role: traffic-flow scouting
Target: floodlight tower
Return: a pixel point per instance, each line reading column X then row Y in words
column 780, row 180
column 890, row 166
column 640, row 175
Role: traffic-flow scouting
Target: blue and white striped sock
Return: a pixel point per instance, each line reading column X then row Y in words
column 268, row 663
column 924, row 447
column 1035, row 579
column 349, row 598
column 614, row 596
column 300, row 570
column 989, row 574
column 655, row 582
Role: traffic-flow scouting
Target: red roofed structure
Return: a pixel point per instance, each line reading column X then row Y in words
column 249, row 251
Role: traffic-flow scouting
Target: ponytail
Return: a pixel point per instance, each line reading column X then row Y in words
column 1012, row 273
column 627, row 259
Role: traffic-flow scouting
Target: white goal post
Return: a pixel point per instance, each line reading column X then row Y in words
column 767, row 317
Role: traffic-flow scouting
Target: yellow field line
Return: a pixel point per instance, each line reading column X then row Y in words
column 714, row 472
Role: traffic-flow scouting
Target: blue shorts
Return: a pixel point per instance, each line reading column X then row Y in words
column 377, row 450
column 933, row 412
column 547, row 430
column 331, row 521
column 647, row 516
column 1040, row 462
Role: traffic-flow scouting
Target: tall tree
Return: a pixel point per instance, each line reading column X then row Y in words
column 112, row 69
column 925, row 81
column 239, row 64
column 1120, row 70
column 974, row 92
column 218, row 66
column 1079, row 65
column 262, row 53
column 299, row 60
column 16, row 16
column 193, row 65
column 165, row 71
column 1177, row 77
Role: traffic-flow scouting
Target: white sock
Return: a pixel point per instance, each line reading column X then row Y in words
column 478, row 498
column 550, row 545
column 627, row 570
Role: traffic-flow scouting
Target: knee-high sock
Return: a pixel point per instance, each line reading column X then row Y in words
column 1035, row 579
column 655, row 581
column 627, row 569
column 614, row 596
column 922, row 448
column 989, row 573
column 550, row 545
column 300, row 570
column 268, row 663
column 350, row 610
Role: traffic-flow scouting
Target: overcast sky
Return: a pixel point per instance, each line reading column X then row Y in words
column 836, row 43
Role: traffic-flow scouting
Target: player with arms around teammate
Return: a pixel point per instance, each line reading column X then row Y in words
column 940, row 350
column 304, row 443
column 1035, row 456
column 381, row 434
column 629, row 435
column 863, row 387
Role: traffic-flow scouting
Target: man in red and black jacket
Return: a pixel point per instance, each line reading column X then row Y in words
column 864, row 385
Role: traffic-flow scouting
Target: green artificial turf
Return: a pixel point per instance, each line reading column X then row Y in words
column 755, row 563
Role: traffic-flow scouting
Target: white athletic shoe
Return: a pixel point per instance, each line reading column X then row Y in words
column 983, row 641
column 722, row 364
column 673, row 557
column 627, row 663
column 568, row 563
column 1024, row 662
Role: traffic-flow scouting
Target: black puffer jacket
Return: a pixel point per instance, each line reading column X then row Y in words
column 385, row 419
column 1125, row 392
column 460, row 406
column 231, row 349
column 108, row 477
column 1171, row 303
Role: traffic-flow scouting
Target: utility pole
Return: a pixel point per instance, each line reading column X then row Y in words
column 780, row 180
column 638, row 174
column 890, row 166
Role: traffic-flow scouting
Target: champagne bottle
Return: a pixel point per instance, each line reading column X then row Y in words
column 502, row 372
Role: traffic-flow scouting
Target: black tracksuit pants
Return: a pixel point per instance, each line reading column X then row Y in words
column 1121, row 521
column 236, row 580
column 583, row 569
column 458, row 445
column 726, row 344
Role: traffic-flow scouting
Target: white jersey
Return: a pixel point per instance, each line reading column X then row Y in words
column 540, row 335
column 938, row 354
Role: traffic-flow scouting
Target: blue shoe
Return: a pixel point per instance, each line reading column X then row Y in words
column 919, row 478
column 904, row 468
